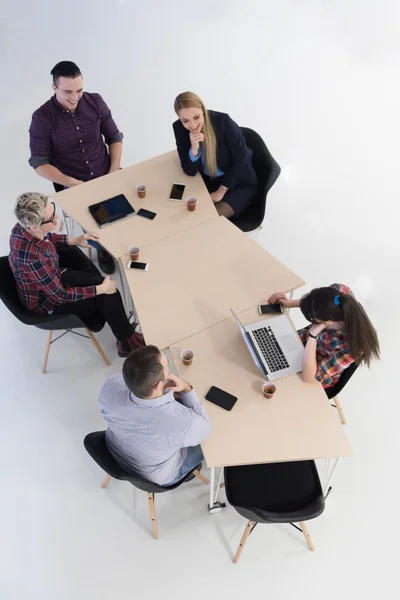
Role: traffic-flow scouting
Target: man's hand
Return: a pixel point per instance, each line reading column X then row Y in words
column 218, row 195
column 72, row 182
column 176, row 384
column 83, row 239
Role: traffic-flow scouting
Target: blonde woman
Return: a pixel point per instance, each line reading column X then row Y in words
column 212, row 143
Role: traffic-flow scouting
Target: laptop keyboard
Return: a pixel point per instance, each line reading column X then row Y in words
column 270, row 349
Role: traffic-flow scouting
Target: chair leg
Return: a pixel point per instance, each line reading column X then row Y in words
column 245, row 535
column 106, row 481
column 46, row 352
column 339, row 409
column 304, row 529
column 153, row 515
column 98, row 347
column 89, row 251
column 201, row 477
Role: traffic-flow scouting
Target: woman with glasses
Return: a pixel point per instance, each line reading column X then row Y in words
column 54, row 277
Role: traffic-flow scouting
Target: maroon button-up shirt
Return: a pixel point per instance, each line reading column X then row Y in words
column 74, row 143
column 36, row 270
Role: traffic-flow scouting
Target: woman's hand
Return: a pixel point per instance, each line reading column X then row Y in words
column 83, row 239
column 218, row 195
column 195, row 139
column 317, row 328
column 281, row 298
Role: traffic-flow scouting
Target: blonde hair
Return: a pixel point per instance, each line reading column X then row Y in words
column 29, row 209
column 191, row 100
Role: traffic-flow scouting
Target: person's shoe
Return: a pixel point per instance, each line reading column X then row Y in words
column 106, row 262
column 130, row 344
column 191, row 475
column 136, row 341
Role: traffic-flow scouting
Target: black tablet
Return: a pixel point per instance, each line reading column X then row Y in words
column 111, row 210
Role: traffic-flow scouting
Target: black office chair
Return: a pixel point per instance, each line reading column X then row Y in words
column 333, row 391
column 267, row 170
column 95, row 444
column 58, row 187
column 275, row 493
column 50, row 323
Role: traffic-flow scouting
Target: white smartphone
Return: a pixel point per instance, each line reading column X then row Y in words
column 270, row 309
column 139, row 266
column 177, row 192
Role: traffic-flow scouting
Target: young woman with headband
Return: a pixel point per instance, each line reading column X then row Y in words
column 212, row 143
column 341, row 332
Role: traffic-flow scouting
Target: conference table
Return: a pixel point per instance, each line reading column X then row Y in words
column 297, row 423
column 200, row 267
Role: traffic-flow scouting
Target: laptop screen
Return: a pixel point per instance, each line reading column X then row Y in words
column 250, row 347
column 111, row 210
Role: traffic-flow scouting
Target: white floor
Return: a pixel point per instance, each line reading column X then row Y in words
column 319, row 81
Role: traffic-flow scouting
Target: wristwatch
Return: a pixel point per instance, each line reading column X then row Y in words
column 314, row 337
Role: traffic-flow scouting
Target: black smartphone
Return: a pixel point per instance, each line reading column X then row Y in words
column 177, row 191
column 270, row 309
column 147, row 214
column 132, row 264
column 221, row 398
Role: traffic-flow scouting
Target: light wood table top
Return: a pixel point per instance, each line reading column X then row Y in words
column 298, row 423
column 158, row 174
column 195, row 277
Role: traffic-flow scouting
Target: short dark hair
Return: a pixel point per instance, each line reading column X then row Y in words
column 65, row 68
column 142, row 370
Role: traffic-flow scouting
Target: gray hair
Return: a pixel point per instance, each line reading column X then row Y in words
column 30, row 208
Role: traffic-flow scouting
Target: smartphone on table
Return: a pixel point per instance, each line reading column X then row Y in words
column 139, row 266
column 177, row 191
column 147, row 214
column 270, row 309
column 221, row 398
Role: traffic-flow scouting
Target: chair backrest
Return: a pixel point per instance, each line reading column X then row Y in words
column 275, row 492
column 95, row 444
column 333, row 391
column 265, row 166
column 58, row 187
column 9, row 294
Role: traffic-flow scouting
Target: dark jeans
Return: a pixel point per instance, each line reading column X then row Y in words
column 80, row 271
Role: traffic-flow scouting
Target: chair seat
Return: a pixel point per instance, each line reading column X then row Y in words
column 96, row 446
column 275, row 492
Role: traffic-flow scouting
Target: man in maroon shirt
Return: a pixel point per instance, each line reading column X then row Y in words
column 73, row 137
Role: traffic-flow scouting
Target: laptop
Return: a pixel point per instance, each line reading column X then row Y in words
column 274, row 346
column 111, row 210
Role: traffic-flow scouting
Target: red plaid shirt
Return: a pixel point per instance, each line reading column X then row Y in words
column 36, row 270
column 333, row 354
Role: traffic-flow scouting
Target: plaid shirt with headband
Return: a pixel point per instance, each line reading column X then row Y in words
column 333, row 354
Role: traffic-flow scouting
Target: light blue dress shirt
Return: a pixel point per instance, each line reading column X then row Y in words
column 151, row 437
column 194, row 159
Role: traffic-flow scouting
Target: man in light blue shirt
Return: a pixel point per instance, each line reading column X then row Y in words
column 149, row 432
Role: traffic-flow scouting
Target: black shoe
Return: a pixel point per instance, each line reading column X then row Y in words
column 106, row 262
column 191, row 476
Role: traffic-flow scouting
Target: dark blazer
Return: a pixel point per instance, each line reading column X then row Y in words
column 233, row 156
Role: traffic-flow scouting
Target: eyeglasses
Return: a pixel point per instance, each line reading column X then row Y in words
column 53, row 216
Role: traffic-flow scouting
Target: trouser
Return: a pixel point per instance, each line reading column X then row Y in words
column 80, row 271
column 193, row 458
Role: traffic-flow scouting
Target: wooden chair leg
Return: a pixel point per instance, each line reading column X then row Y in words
column 106, row 481
column 98, row 347
column 245, row 535
column 153, row 515
column 201, row 477
column 307, row 536
column 46, row 352
column 89, row 251
column 336, row 402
